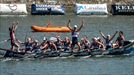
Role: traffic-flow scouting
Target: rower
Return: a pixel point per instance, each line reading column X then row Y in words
column 120, row 40
column 67, row 44
column 96, row 44
column 14, row 41
column 44, row 43
column 36, row 47
column 52, row 46
column 29, row 44
column 85, row 43
column 49, row 46
column 108, row 39
column 100, row 40
column 58, row 43
column 75, row 33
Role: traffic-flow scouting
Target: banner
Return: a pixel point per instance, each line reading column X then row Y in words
column 8, row 9
column 123, row 9
column 41, row 9
column 91, row 9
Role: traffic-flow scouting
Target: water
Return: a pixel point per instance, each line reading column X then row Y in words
column 72, row 66
column 122, row 65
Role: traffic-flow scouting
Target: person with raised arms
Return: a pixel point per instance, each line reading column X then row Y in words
column 108, row 39
column 75, row 33
column 13, row 40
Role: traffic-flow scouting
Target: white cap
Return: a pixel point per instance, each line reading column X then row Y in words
column 53, row 39
column 44, row 38
column 36, row 41
column 98, row 38
column 95, row 38
column 108, row 35
column 75, row 26
column 58, row 36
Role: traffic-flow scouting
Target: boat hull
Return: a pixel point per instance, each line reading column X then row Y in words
column 9, row 53
column 128, row 49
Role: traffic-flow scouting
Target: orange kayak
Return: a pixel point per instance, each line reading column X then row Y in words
column 50, row 29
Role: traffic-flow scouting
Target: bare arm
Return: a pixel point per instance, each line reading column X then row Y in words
column 90, row 47
column 68, row 25
column 114, row 35
column 101, row 44
column 123, row 38
column 54, row 46
column 81, row 26
column 102, row 34
column 15, row 25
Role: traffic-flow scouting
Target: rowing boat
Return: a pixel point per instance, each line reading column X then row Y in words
column 118, row 51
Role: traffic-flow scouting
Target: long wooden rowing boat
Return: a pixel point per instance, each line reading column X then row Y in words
column 118, row 51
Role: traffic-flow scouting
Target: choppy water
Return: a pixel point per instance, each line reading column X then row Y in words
column 122, row 65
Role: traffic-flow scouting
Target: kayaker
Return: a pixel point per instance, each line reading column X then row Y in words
column 108, row 39
column 120, row 39
column 13, row 40
column 67, row 44
column 95, row 44
column 75, row 34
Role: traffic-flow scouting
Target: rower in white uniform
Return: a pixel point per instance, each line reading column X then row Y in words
column 75, row 34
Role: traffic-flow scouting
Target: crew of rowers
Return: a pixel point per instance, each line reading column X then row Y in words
column 57, row 44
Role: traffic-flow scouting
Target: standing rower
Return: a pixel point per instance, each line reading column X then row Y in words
column 13, row 40
column 75, row 33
